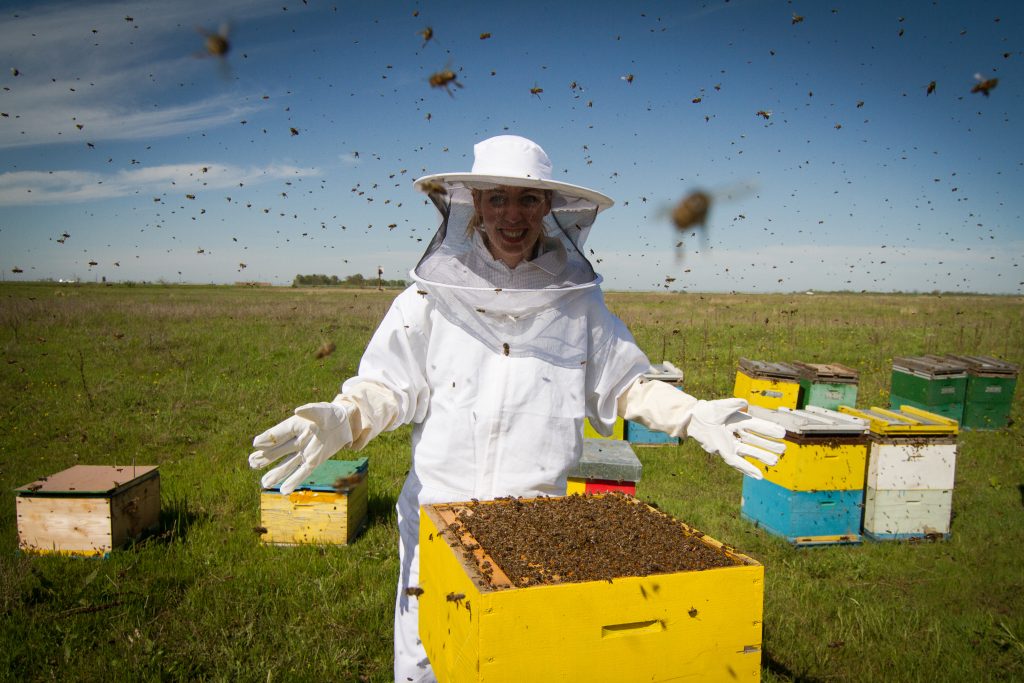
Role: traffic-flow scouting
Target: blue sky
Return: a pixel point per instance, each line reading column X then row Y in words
column 184, row 167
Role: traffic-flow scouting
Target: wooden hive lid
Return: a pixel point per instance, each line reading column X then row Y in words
column 986, row 366
column 608, row 459
column 813, row 421
column 933, row 367
column 89, row 480
column 329, row 473
column 908, row 420
column 768, row 370
column 826, row 372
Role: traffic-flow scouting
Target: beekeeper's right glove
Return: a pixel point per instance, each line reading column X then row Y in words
column 720, row 427
column 312, row 435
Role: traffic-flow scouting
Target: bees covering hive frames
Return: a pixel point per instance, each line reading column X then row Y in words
column 480, row 622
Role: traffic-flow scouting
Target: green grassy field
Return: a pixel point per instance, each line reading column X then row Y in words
column 184, row 377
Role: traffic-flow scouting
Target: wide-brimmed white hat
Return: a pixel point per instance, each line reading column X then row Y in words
column 512, row 160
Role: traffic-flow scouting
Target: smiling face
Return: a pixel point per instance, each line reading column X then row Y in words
column 512, row 220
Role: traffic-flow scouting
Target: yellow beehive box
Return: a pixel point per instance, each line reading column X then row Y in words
column 618, row 430
column 88, row 509
column 327, row 508
column 825, row 450
column 477, row 625
column 769, row 385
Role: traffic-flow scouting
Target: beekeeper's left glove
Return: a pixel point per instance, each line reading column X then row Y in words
column 306, row 439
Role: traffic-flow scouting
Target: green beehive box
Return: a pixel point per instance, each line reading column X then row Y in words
column 826, row 385
column 989, row 394
column 933, row 383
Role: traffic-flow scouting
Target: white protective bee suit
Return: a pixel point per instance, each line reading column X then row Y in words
column 496, row 369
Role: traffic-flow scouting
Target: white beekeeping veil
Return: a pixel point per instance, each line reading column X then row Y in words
column 497, row 304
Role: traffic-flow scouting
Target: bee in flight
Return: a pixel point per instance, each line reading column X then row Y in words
column 445, row 78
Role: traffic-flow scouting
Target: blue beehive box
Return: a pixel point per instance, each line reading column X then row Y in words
column 639, row 434
column 804, row 517
column 814, row 495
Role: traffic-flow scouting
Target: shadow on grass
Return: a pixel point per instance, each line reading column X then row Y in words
column 380, row 510
column 175, row 521
column 782, row 671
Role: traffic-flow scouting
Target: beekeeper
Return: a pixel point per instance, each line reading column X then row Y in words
column 496, row 355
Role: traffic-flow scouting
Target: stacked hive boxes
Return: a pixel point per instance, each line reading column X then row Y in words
column 88, row 510
column 911, row 468
column 814, row 494
column 327, row 508
column 765, row 384
column 826, row 385
column 989, row 393
column 606, row 465
column 477, row 625
column 934, row 383
column 637, row 433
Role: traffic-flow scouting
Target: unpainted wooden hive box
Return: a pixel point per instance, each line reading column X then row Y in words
column 327, row 508
column 684, row 626
column 88, row 510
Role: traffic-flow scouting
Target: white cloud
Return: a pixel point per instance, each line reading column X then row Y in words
column 40, row 187
column 115, row 82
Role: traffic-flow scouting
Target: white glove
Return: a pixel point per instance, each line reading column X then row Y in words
column 720, row 427
column 315, row 433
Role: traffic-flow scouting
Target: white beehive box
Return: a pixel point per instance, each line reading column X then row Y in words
column 909, row 465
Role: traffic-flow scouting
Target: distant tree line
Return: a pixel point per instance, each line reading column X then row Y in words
column 356, row 280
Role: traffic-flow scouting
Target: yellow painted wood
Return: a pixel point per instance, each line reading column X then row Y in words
column 686, row 626
column 305, row 516
column 618, row 430
column 574, row 485
column 71, row 526
column 818, row 465
column 825, row 539
column 906, row 420
column 767, row 393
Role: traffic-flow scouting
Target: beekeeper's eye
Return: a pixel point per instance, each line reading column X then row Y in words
column 530, row 201
column 497, row 201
